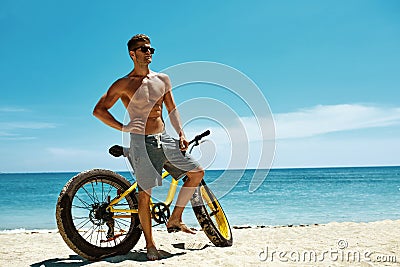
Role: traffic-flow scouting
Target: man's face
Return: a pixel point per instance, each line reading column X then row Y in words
column 142, row 53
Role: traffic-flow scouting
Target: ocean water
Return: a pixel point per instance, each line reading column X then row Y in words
column 286, row 196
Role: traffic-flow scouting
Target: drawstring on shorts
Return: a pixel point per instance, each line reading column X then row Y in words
column 158, row 138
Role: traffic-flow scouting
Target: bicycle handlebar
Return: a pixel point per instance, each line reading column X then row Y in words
column 197, row 138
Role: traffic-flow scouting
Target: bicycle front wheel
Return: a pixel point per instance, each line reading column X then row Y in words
column 211, row 216
column 84, row 221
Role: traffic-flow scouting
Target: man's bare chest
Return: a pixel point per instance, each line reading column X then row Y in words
column 146, row 90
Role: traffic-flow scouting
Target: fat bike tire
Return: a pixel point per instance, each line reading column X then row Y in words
column 85, row 224
column 211, row 216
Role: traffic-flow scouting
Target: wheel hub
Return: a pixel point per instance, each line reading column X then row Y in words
column 99, row 214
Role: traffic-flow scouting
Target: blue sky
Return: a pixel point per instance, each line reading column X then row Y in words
column 328, row 69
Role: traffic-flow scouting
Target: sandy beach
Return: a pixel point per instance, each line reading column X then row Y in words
column 333, row 244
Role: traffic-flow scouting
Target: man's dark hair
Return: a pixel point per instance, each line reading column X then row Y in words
column 132, row 43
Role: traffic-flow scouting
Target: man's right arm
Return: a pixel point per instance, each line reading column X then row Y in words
column 107, row 101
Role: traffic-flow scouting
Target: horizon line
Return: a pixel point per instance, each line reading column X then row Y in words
column 232, row 169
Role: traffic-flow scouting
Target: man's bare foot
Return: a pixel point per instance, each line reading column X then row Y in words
column 152, row 254
column 172, row 228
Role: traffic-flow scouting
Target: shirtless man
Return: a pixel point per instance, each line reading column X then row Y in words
column 143, row 93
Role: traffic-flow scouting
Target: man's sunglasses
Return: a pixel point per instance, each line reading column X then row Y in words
column 144, row 49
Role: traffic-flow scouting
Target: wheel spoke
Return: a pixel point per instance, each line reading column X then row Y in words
column 94, row 192
column 80, row 218
column 87, row 205
column 80, row 207
column 89, row 195
column 82, row 224
column 123, row 222
column 108, row 193
column 102, row 192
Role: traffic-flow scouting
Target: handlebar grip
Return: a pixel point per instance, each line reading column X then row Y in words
column 200, row 136
column 204, row 134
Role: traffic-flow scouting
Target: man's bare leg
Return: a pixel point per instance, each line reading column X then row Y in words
column 175, row 221
column 145, row 221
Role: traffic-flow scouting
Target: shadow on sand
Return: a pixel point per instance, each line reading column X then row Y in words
column 76, row 261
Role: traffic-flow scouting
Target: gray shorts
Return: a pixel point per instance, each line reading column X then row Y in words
column 149, row 154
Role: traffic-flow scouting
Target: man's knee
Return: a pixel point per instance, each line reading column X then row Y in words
column 196, row 174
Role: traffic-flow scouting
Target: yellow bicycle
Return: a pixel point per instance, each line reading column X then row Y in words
column 97, row 212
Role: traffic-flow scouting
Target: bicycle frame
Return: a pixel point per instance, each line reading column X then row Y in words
column 168, row 200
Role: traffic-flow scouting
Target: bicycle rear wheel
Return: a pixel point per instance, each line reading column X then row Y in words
column 84, row 222
column 211, row 216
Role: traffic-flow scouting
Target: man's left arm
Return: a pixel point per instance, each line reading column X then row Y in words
column 174, row 114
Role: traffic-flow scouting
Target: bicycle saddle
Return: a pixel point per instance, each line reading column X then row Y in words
column 116, row 151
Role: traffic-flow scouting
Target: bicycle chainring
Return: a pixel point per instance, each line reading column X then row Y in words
column 160, row 212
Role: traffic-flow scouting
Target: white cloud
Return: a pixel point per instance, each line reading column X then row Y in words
column 9, row 137
column 306, row 122
column 6, row 134
column 11, row 129
column 333, row 118
column 26, row 125
column 337, row 151
column 8, row 129
column 12, row 109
